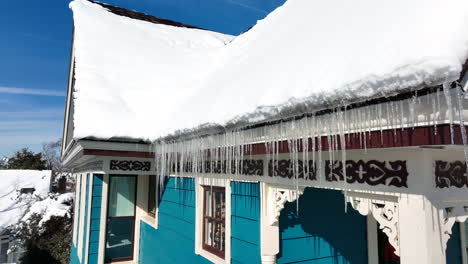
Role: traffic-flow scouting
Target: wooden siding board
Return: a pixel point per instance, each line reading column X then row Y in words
column 183, row 197
column 245, row 223
column 95, row 224
column 244, row 252
column 245, row 229
column 322, row 232
column 175, row 237
column 178, row 211
column 246, row 207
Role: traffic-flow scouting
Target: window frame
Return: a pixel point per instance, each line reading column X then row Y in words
column 464, row 241
column 205, row 246
column 130, row 258
column 199, row 195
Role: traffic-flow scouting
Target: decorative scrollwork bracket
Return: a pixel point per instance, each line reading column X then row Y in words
column 452, row 214
column 385, row 212
column 277, row 197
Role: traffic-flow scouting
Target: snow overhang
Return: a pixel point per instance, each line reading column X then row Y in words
column 142, row 80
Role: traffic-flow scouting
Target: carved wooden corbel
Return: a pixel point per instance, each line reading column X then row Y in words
column 277, row 197
column 456, row 213
column 384, row 212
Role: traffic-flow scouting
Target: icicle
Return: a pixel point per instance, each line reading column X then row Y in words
column 448, row 100
column 379, row 110
column 462, row 123
column 402, row 116
column 438, row 107
column 434, row 114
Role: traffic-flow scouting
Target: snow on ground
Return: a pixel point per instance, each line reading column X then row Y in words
column 156, row 79
column 14, row 205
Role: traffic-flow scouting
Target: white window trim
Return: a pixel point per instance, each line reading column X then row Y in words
column 88, row 220
column 199, row 183
column 463, row 243
column 81, row 219
column 77, row 200
column 372, row 240
column 102, row 227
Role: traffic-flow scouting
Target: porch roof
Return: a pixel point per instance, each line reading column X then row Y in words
column 144, row 80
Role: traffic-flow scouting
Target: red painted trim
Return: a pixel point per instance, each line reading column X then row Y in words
column 118, row 153
column 408, row 137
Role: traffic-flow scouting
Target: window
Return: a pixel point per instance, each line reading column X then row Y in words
column 4, row 250
column 151, row 195
column 214, row 220
column 120, row 218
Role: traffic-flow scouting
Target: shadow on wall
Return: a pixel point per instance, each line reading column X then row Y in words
column 321, row 229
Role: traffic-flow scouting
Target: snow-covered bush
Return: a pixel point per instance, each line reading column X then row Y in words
column 44, row 232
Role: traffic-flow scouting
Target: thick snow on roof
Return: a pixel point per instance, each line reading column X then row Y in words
column 143, row 80
column 13, row 204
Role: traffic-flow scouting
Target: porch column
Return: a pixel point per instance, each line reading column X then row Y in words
column 269, row 230
column 421, row 231
column 272, row 201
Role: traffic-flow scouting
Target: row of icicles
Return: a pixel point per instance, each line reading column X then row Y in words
column 195, row 156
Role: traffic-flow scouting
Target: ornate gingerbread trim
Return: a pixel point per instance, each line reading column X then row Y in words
column 277, row 197
column 450, row 174
column 130, row 165
column 246, row 167
column 372, row 172
column 287, row 169
column 384, row 212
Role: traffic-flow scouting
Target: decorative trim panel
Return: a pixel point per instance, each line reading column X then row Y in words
column 130, row 165
column 452, row 214
column 384, row 212
column 277, row 197
column 287, row 169
column 246, row 167
column 450, row 174
column 372, row 172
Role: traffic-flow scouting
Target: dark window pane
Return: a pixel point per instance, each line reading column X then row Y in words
column 122, row 196
column 152, row 195
column 119, row 238
column 386, row 251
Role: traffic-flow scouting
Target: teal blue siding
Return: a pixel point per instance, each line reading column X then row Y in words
column 245, row 223
column 174, row 241
column 85, row 219
column 73, row 255
column 94, row 227
column 322, row 233
column 453, row 253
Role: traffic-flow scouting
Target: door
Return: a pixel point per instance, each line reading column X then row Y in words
column 120, row 218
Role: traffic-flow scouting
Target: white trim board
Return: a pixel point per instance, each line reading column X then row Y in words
column 102, row 227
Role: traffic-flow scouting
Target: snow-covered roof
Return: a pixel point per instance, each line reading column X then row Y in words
column 144, row 80
column 13, row 204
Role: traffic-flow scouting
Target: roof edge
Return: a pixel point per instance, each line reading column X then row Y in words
column 143, row 17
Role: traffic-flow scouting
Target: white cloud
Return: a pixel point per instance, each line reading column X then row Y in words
column 27, row 125
column 38, row 113
column 44, row 92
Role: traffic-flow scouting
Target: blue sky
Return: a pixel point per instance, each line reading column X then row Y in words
column 35, row 40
